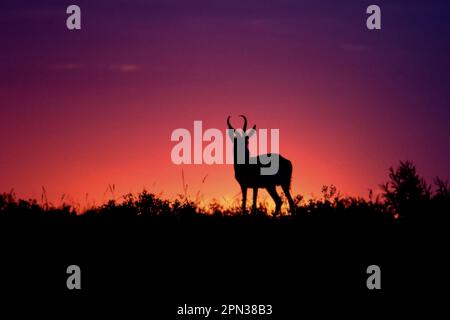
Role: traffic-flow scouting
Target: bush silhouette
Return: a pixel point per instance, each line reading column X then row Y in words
column 405, row 197
column 406, row 193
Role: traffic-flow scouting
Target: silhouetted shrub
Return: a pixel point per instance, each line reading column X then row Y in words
column 406, row 193
column 406, row 197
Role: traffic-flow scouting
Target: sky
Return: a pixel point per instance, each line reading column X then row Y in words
column 84, row 110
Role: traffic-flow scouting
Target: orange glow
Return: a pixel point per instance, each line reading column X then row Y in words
column 82, row 111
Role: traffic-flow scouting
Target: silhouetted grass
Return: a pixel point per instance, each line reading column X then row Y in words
column 406, row 197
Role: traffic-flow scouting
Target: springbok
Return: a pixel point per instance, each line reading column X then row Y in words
column 248, row 174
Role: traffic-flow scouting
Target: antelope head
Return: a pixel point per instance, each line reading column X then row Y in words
column 242, row 137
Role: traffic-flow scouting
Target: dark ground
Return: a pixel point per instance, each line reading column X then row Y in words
column 151, row 269
column 144, row 257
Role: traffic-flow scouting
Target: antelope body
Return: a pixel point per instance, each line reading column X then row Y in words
column 248, row 174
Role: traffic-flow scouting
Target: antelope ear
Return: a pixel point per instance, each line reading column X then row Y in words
column 231, row 133
column 251, row 132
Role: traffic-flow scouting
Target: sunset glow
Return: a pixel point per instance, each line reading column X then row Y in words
column 85, row 110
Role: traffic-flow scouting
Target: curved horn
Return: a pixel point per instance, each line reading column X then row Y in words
column 229, row 124
column 244, row 128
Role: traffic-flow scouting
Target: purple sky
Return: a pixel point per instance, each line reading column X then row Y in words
column 82, row 109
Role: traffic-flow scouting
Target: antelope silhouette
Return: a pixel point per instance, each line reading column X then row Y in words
column 248, row 172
